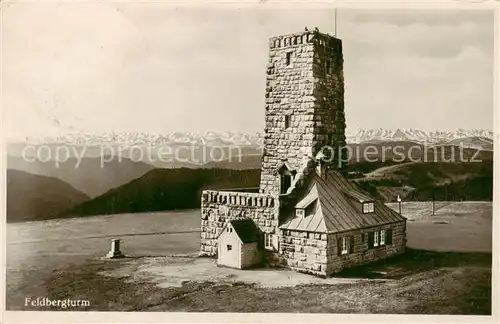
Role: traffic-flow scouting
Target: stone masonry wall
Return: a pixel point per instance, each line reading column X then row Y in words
column 289, row 91
column 362, row 254
column 329, row 115
column 218, row 207
column 304, row 81
column 304, row 251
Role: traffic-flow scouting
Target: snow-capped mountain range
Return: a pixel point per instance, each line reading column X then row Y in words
column 254, row 140
column 153, row 139
column 416, row 135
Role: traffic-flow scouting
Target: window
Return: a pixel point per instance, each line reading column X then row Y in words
column 288, row 121
column 268, row 241
column 288, row 58
column 299, row 212
column 380, row 238
column 286, row 182
column 345, row 245
column 229, row 247
column 368, row 208
column 286, row 176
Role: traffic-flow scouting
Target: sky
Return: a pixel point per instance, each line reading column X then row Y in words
column 153, row 67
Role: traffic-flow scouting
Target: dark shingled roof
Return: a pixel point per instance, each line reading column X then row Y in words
column 336, row 211
column 246, row 230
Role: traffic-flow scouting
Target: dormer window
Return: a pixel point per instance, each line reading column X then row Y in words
column 307, row 205
column 363, row 203
column 368, row 207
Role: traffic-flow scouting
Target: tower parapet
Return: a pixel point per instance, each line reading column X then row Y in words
column 291, row 39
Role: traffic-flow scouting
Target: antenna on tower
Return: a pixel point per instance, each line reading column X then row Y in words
column 335, row 18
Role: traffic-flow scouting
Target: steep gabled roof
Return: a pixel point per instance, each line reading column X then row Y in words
column 335, row 210
column 246, row 230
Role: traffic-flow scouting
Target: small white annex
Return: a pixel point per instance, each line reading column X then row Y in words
column 238, row 245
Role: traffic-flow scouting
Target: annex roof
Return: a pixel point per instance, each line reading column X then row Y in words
column 246, row 230
column 335, row 211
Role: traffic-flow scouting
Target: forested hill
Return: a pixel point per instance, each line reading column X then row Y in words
column 168, row 189
column 165, row 189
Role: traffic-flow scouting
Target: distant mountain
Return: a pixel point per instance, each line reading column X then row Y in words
column 195, row 156
column 475, row 142
column 33, row 197
column 367, row 135
column 165, row 189
column 420, row 181
column 378, row 153
column 221, row 150
column 237, row 162
column 479, row 188
column 51, row 150
column 160, row 155
column 93, row 176
column 401, row 151
column 127, row 140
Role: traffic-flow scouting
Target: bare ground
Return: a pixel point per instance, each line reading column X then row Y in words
column 418, row 282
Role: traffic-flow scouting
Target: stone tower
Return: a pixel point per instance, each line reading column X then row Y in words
column 304, row 106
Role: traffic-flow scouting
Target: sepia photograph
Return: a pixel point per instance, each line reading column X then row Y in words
column 248, row 158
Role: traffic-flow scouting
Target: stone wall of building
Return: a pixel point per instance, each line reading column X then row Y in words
column 304, row 251
column 329, row 93
column 361, row 253
column 305, row 82
column 289, row 91
column 218, row 207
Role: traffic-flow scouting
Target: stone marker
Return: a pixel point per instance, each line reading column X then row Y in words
column 115, row 252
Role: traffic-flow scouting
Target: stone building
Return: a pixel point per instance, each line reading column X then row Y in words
column 307, row 216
